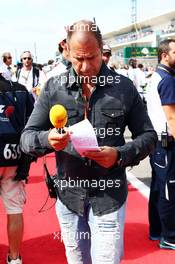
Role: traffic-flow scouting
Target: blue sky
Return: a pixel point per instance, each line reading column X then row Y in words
column 23, row 23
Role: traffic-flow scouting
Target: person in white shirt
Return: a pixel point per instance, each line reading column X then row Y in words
column 29, row 75
column 5, row 68
column 140, row 79
column 123, row 70
column 132, row 70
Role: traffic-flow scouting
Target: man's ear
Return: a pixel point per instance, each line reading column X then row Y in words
column 63, row 44
column 164, row 56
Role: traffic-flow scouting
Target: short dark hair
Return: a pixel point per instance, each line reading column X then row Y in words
column 164, row 47
column 140, row 66
column 86, row 26
column 133, row 63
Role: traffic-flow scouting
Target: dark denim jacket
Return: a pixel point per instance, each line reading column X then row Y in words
column 114, row 104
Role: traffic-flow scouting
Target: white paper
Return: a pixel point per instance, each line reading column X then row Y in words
column 83, row 137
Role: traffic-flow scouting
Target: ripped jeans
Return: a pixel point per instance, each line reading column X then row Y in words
column 91, row 239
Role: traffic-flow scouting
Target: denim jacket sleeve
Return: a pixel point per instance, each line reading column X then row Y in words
column 34, row 138
column 143, row 134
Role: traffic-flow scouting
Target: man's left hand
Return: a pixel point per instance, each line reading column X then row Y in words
column 106, row 156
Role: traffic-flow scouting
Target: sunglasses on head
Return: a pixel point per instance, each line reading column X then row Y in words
column 27, row 58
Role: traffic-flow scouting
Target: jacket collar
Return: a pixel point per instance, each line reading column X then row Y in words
column 166, row 69
column 100, row 80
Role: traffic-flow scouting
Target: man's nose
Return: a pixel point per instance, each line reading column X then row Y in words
column 85, row 66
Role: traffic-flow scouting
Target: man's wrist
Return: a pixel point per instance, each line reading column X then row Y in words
column 118, row 159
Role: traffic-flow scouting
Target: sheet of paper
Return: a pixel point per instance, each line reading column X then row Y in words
column 83, row 137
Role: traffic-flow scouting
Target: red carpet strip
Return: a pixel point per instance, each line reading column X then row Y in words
column 42, row 243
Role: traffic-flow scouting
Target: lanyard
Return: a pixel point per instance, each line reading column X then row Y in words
column 26, row 76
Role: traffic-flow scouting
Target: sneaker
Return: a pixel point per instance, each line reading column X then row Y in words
column 14, row 261
column 166, row 245
column 154, row 238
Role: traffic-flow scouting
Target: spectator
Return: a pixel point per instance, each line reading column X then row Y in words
column 140, row 80
column 64, row 62
column 106, row 53
column 6, row 69
column 132, row 70
column 29, row 75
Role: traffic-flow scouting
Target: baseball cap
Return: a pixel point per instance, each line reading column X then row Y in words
column 106, row 49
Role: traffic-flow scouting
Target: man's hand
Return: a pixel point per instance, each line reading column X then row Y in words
column 34, row 90
column 106, row 157
column 57, row 140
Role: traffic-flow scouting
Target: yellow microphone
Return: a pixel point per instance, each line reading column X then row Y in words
column 58, row 116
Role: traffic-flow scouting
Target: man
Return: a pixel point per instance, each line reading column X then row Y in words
column 140, row 80
column 91, row 217
column 161, row 109
column 64, row 62
column 29, row 75
column 106, row 57
column 15, row 108
column 5, row 68
column 132, row 70
column 106, row 53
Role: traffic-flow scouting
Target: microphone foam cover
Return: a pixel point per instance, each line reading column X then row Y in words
column 58, row 116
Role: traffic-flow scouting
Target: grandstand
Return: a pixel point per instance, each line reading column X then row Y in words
column 141, row 39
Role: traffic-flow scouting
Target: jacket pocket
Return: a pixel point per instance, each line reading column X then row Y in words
column 113, row 117
column 112, row 113
column 110, row 123
column 160, row 158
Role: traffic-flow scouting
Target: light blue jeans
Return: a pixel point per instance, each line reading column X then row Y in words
column 91, row 239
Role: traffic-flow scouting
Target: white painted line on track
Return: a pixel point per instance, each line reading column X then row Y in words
column 139, row 185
